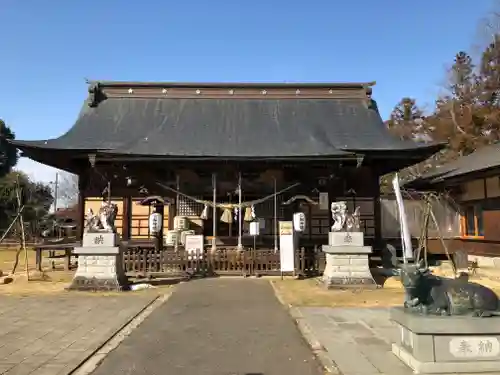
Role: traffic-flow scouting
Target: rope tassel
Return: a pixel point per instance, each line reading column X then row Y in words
column 226, row 216
column 249, row 215
column 204, row 213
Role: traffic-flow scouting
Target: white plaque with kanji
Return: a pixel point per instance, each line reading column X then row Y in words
column 474, row 346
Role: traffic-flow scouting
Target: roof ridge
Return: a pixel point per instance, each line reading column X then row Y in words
column 193, row 84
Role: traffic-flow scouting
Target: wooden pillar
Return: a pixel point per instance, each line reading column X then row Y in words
column 82, row 182
column 275, row 217
column 214, row 211
column 159, row 208
column 377, row 214
column 240, row 213
column 172, row 209
column 331, row 199
column 127, row 218
column 177, row 206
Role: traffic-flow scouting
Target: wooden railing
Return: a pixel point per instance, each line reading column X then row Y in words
column 226, row 261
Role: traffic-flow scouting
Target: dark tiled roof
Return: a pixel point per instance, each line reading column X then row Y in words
column 229, row 128
column 484, row 158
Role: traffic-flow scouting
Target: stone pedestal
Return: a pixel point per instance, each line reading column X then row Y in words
column 447, row 344
column 100, row 264
column 347, row 261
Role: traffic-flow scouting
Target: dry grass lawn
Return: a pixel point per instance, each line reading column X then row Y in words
column 7, row 258
column 47, row 281
column 311, row 293
column 42, row 283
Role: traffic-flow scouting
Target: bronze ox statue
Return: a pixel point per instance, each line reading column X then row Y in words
column 430, row 294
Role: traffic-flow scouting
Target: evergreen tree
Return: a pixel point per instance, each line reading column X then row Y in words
column 489, row 93
column 407, row 121
column 456, row 120
column 8, row 153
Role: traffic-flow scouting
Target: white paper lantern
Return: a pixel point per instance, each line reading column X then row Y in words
column 254, row 228
column 155, row 222
column 299, row 222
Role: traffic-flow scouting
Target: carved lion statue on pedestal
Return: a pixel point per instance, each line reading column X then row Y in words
column 104, row 221
column 342, row 221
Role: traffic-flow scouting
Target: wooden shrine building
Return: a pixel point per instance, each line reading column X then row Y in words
column 195, row 143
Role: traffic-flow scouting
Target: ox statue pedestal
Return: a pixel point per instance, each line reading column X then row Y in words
column 100, row 264
column 347, row 261
column 447, row 344
column 446, row 325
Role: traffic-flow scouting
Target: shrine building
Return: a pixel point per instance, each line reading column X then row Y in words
column 270, row 148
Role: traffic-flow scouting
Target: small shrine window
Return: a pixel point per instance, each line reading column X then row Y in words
column 472, row 221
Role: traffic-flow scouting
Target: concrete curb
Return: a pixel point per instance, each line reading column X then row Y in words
column 318, row 349
column 88, row 365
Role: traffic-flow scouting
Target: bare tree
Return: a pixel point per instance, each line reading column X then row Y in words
column 67, row 189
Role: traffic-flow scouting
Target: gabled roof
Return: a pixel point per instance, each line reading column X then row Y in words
column 485, row 158
column 229, row 120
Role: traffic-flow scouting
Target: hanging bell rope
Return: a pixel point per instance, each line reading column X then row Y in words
column 229, row 206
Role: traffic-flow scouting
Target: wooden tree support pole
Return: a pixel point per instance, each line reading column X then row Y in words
column 23, row 237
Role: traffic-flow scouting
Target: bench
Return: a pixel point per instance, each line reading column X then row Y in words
column 51, row 249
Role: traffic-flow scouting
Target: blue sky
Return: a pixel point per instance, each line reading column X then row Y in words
column 48, row 48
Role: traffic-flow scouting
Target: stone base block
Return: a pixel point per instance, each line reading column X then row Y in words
column 347, row 270
column 98, row 272
column 93, row 284
column 97, row 250
column 447, row 344
column 349, row 282
column 346, row 249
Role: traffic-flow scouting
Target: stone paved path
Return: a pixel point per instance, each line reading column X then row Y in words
column 358, row 340
column 51, row 335
column 215, row 327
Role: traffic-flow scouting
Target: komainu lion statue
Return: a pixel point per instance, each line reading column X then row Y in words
column 342, row 221
column 104, row 221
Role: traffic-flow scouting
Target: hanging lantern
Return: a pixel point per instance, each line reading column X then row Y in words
column 155, row 222
column 299, row 222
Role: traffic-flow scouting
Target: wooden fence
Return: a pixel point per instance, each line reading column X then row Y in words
column 229, row 262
